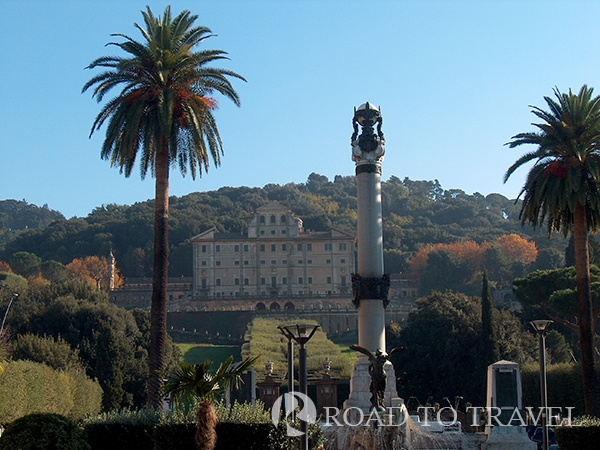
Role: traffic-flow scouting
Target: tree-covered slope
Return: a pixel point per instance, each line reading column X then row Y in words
column 415, row 213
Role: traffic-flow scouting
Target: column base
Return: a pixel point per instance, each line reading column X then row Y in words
column 360, row 393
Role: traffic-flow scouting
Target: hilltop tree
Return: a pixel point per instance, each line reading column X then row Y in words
column 165, row 109
column 517, row 249
column 25, row 264
column 562, row 189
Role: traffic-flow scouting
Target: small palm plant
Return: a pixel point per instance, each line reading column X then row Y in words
column 196, row 382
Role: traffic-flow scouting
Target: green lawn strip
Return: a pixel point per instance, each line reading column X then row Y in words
column 195, row 353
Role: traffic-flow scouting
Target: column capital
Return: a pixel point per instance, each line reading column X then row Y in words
column 368, row 148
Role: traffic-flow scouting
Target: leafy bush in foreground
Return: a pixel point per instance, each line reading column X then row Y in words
column 584, row 433
column 43, row 432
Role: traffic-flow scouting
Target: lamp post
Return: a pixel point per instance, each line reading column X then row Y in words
column 301, row 333
column 290, row 357
column 541, row 326
column 15, row 295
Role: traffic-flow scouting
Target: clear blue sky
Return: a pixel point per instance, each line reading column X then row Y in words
column 454, row 80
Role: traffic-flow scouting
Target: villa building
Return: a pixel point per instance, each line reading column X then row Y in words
column 275, row 258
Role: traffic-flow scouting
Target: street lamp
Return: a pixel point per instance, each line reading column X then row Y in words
column 290, row 357
column 541, row 326
column 15, row 295
column 301, row 333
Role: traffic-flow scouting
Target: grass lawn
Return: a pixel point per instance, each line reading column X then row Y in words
column 352, row 355
column 194, row 353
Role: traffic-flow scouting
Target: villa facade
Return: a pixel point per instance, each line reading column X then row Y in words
column 275, row 258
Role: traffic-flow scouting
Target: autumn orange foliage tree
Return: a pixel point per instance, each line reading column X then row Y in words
column 94, row 270
column 512, row 246
column 5, row 267
column 515, row 248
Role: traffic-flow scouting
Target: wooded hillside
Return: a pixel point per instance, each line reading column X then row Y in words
column 416, row 213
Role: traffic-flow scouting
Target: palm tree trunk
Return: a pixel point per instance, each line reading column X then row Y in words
column 158, row 312
column 206, row 434
column 585, row 310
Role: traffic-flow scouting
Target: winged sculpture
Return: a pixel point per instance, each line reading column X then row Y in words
column 377, row 373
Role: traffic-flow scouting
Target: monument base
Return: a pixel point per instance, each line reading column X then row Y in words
column 360, row 390
column 508, row 438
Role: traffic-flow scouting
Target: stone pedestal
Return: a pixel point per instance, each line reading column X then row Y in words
column 508, row 438
column 360, row 392
column 326, row 394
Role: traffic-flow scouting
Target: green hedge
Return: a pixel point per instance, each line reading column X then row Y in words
column 27, row 387
column 43, row 432
column 240, row 427
column 585, row 433
column 565, row 386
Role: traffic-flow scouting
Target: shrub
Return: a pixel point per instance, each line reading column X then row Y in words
column 564, row 386
column 584, row 433
column 43, row 432
column 27, row 387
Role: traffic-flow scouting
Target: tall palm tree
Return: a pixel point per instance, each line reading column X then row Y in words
column 164, row 109
column 195, row 382
column 562, row 189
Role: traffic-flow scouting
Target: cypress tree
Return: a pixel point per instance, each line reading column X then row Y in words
column 489, row 343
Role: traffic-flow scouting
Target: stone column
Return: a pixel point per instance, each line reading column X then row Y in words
column 370, row 285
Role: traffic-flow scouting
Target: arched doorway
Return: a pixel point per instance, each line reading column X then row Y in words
column 289, row 306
